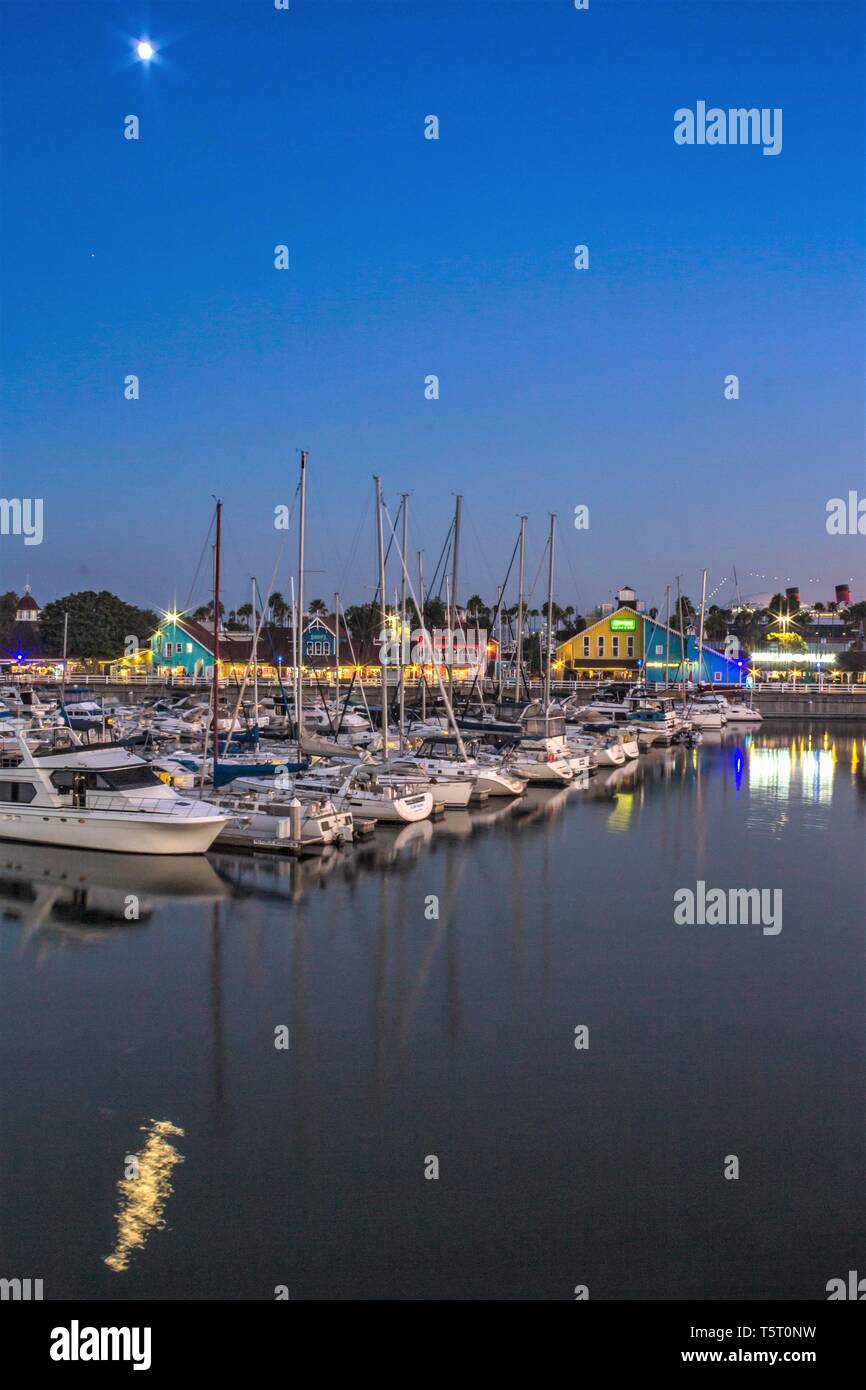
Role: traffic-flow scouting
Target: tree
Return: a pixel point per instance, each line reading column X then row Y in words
column 716, row 623
column 8, row 608
column 245, row 613
column 205, row 612
column 279, row 609
column 317, row 605
column 434, row 613
column 363, row 620
column 99, row 624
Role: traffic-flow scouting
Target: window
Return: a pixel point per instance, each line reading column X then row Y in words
column 659, row 648
column 586, row 646
column 614, row 646
column 600, row 646
column 629, row 646
column 168, row 649
column 113, row 779
column 189, row 648
column 17, row 791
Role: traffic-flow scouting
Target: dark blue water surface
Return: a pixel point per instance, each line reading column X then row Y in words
column 412, row 1038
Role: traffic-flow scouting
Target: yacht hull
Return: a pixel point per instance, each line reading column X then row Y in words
column 113, row 834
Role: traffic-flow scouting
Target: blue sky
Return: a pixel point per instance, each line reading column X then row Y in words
column 409, row 257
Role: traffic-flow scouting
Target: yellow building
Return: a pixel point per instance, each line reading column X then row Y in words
column 612, row 648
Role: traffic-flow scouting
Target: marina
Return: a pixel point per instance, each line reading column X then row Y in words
column 432, row 674
column 413, row 1033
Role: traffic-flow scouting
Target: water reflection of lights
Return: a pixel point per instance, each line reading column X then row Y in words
column 798, row 768
column 621, row 813
column 143, row 1198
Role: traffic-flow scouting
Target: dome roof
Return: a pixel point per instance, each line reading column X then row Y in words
column 28, row 603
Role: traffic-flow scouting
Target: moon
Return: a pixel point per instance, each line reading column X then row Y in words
column 144, row 50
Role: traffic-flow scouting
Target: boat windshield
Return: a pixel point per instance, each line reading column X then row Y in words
column 114, row 779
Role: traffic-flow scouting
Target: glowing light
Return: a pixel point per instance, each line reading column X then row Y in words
column 144, row 50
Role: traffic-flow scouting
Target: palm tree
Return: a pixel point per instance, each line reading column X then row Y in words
column 245, row 613
column 317, row 605
column 279, row 609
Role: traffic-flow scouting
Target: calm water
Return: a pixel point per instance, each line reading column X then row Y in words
column 411, row 1037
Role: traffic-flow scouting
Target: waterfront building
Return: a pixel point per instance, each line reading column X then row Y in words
column 629, row 645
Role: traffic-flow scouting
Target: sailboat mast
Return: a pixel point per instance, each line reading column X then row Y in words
column 216, row 635
column 548, row 653
column 425, row 648
column 403, row 616
column 667, row 635
column 520, row 581
column 701, row 627
column 682, row 639
column 337, row 643
column 499, row 646
column 380, row 540
column 255, row 655
column 299, row 627
column 452, row 611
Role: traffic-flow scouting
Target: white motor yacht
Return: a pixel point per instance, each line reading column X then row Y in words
column 101, row 798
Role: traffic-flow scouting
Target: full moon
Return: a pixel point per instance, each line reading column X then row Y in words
column 144, row 50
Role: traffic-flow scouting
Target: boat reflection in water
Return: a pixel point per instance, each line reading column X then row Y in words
column 145, row 1191
column 79, row 895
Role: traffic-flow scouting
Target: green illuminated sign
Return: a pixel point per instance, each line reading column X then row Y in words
column 623, row 624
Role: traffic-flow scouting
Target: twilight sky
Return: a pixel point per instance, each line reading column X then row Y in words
column 411, row 257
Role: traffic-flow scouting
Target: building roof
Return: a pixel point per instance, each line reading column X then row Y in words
column 27, row 603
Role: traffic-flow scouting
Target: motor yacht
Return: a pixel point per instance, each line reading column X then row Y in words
column 57, row 792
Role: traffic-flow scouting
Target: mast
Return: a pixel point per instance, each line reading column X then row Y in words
column 65, row 643
column 216, row 636
column 701, row 628
column 499, row 646
column 299, row 626
column 426, row 646
column 337, row 644
column 520, row 579
column 380, row 540
column 294, row 646
column 452, row 611
column 548, row 654
column 403, row 616
column 682, row 639
column 667, row 635
column 255, row 656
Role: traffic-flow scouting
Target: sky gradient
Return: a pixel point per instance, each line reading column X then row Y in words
column 408, row 257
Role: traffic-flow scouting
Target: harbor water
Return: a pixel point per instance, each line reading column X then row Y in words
column 478, row 1058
